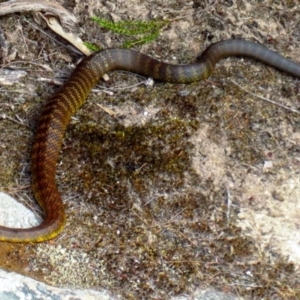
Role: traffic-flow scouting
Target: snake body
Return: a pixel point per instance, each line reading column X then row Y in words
column 68, row 99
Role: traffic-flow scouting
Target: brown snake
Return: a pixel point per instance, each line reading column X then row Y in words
column 68, row 99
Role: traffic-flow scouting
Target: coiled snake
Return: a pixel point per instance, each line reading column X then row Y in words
column 68, row 99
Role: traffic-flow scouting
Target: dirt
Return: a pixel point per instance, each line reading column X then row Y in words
column 186, row 186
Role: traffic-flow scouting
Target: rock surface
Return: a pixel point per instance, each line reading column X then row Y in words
column 17, row 287
column 14, row 286
column 14, row 214
column 174, row 193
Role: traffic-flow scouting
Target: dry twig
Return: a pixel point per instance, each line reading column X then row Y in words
column 51, row 7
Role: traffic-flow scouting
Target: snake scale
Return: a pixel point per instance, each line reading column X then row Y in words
column 68, row 99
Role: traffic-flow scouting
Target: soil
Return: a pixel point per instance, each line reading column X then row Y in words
column 184, row 186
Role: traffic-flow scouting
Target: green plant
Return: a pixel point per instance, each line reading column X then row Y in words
column 140, row 32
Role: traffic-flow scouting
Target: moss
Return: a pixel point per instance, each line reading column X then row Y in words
column 137, row 156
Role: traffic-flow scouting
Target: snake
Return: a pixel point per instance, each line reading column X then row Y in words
column 64, row 103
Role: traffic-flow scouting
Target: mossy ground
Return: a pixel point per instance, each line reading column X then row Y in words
column 142, row 221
